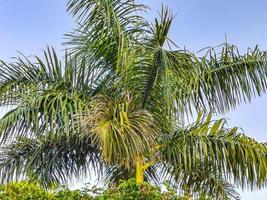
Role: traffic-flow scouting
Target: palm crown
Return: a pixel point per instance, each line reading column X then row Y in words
column 117, row 101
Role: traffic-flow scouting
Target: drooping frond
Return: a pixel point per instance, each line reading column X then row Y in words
column 204, row 183
column 48, row 160
column 45, row 95
column 105, row 29
column 119, row 128
column 210, row 145
column 24, row 75
column 91, row 11
column 220, row 81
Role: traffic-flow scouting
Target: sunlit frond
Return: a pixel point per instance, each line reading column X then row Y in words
column 209, row 143
column 119, row 128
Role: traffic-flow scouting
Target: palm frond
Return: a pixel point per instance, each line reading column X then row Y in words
column 220, row 81
column 119, row 128
column 237, row 157
column 204, row 183
column 48, row 160
column 105, row 29
column 45, row 96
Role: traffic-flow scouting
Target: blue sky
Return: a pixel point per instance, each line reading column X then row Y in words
column 29, row 26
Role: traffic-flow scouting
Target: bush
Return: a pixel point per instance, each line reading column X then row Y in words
column 126, row 190
column 29, row 191
column 23, row 191
column 130, row 190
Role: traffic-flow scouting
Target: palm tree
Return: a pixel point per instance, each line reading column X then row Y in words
column 116, row 104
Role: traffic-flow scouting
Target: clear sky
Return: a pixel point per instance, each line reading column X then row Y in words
column 29, row 26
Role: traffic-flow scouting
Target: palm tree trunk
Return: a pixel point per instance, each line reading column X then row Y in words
column 139, row 171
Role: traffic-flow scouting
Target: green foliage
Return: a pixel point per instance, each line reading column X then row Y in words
column 122, row 93
column 66, row 194
column 31, row 191
column 125, row 190
column 130, row 190
column 23, row 191
column 209, row 143
column 114, row 124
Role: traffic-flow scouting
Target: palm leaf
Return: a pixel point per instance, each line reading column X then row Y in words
column 221, row 81
column 121, row 130
column 208, row 143
column 48, row 160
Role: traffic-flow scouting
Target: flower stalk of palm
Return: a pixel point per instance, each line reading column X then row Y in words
column 116, row 105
